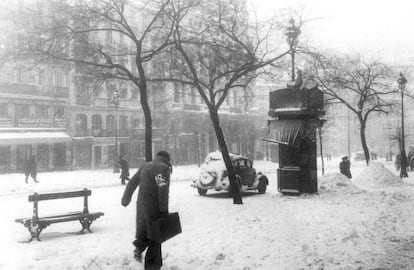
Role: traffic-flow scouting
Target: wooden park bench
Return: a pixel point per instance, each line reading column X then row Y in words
column 36, row 224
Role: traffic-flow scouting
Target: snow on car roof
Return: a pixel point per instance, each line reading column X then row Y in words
column 213, row 156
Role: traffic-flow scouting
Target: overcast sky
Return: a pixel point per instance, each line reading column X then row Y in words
column 381, row 29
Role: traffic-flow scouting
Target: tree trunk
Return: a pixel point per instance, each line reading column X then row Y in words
column 237, row 199
column 148, row 122
column 364, row 143
column 143, row 90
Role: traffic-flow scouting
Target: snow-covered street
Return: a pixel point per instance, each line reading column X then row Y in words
column 343, row 227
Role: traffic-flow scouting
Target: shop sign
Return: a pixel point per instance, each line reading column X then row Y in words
column 34, row 122
column 5, row 123
column 60, row 123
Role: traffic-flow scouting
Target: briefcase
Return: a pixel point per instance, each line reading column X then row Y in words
column 165, row 228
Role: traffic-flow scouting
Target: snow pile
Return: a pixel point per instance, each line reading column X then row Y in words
column 334, row 182
column 376, row 175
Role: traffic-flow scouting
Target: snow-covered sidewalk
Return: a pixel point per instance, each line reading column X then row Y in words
column 65, row 180
column 343, row 227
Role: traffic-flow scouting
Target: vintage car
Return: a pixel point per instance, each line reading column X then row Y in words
column 213, row 175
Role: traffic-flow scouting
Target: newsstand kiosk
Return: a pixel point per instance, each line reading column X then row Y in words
column 294, row 118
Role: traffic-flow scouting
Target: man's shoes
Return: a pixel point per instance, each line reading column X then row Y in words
column 137, row 255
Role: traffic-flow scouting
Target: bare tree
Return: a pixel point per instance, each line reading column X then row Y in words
column 102, row 40
column 217, row 51
column 363, row 87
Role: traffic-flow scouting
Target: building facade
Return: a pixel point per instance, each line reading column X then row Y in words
column 34, row 118
column 51, row 112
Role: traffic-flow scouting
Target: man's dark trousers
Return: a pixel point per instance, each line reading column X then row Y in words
column 153, row 257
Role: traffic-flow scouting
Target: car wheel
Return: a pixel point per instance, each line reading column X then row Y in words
column 262, row 185
column 202, row 191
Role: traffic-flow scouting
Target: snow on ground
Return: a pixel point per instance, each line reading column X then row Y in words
column 376, row 175
column 345, row 226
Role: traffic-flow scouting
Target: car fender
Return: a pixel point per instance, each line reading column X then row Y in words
column 262, row 177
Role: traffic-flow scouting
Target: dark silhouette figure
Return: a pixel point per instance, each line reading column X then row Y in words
column 123, row 162
column 30, row 168
column 152, row 206
column 345, row 167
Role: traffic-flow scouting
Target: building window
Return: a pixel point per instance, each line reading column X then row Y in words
column 67, row 80
column 81, row 125
column 228, row 98
column 22, row 110
column 4, row 110
column 41, row 111
column 123, row 122
column 41, row 77
column 136, row 123
column 19, row 75
column 177, row 93
column 58, row 78
column 193, row 95
column 110, row 122
column 123, row 92
column 59, row 112
column 96, row 121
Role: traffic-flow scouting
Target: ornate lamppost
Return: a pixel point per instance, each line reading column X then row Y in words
column 292, row 33
column 115, row 101
column 402, row 81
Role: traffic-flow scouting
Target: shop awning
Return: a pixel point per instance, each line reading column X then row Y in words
column 284, row 131
column 33, row 137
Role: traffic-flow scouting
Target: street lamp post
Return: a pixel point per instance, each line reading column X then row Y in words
column 115, row 102
column 402, row 81
column 292, row 33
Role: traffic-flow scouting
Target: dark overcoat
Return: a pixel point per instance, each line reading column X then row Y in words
column 154, row 181
column 345, row 168
column 30, row 167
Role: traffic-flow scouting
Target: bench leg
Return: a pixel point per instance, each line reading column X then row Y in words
column 35, row 232
column 86, row 224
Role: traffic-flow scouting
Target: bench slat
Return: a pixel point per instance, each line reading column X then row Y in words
column 51, row 220
column 59, row 195
column 61, row 218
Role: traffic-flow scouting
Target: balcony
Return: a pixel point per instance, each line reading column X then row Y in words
column 98, row 132
column 81, row 133
column 104, row 132
column 34, row 89
column 83, row 100
column 59, row 91
column 110, row 132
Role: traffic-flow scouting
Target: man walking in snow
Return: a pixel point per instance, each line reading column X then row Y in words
column 30, row 168
column 345, row 167
column 123, row 162
column 152, row 205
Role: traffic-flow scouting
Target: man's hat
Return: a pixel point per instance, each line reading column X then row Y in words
column 164, row 154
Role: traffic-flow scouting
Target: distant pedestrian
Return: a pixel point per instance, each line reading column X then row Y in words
column 123, row 162
column 152, row 205
column 30, row 168
column 345, row 167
